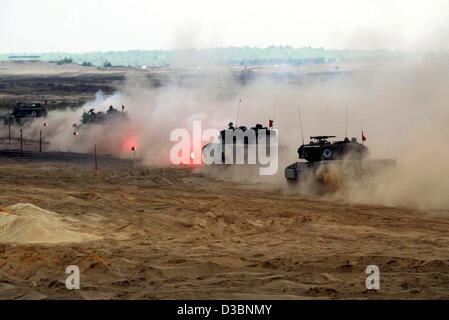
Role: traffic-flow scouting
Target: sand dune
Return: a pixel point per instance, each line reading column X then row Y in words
column 26, row 223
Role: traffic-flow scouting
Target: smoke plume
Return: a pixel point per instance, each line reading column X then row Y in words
column 401, row 107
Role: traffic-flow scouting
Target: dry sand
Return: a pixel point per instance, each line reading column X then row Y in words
column 165, row 233
column 171, row 233
column 25, row 223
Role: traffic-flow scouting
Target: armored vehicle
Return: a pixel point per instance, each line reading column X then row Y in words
column 111, row 115
column 23, row 112
column 238, row 142
column 246, row 75
column 329, row 161
column 321, row 149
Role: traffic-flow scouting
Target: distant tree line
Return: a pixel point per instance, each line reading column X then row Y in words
column 224, row 56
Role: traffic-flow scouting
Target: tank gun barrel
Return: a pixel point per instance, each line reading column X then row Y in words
column 321, row 137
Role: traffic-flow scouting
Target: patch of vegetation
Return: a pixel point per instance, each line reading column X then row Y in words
column 64, row 61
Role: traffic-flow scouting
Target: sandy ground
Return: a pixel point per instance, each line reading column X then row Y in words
column 171, row 233
column 165, row 233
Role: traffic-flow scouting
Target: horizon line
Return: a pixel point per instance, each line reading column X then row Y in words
column 209, row 48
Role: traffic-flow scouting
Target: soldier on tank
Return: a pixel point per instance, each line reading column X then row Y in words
column 112, row 109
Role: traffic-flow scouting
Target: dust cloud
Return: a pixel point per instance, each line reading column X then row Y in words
column 401, row 107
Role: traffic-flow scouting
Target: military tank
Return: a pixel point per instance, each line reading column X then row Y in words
column 24, row 112
column 240, row 140
column 246, row 75
column 111, row 115
column 329, row 162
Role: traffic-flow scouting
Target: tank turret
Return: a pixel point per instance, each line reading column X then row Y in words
column 320, row 148
column 24, row 112
column 240, row 138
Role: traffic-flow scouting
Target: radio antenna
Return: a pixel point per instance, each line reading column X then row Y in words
column 300, row 124
column 238, row 110
column 346, row 135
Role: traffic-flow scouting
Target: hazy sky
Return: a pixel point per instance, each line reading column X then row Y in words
column 89, row 25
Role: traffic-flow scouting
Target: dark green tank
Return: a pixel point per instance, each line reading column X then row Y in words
column 111, row 115
column 240, row 138
column 328, row 161
column 24, row 112
column 320, row 149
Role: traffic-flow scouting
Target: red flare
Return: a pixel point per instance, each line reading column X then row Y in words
column 363, row 137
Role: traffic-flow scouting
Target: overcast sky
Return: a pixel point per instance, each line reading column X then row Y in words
column 91, row 25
